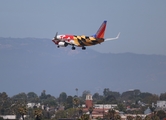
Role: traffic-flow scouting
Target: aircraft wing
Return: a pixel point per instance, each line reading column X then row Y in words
column 108, row 39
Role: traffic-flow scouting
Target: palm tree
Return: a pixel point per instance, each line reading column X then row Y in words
column 117, row 117
column 38, row 114
column 147, row 118
column 77, row 91
column 111, row 113
column 76, row 102
column 154, row 116
column 22, row 111
column 129, row 118
column 84, row 117
column 80, row 111
column 138, row 118
column 90, row 112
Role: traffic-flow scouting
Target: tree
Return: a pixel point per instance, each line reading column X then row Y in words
column 163, row 96
column 75, row 102
column 154, row 116
column 38, row 113
column 22, row 111
column 80, row 111
column 117, row 117
column 129, row 118
column 149, row 98
column 43, row 95
column 62, row 97
column 5, row 103
column 106, row 92
column 111, row 113
column 86, row 92
column 121, row 107
column 161, row 114
column 69, row 102
column 60, row 114
column 90, row 111
column 1, row 118
column 147, row 118
column 20, row 96
column 32, row 97
column 110, row 99
column 77, row 92
column 138, row 118
column 85, row 117
column 96, row 96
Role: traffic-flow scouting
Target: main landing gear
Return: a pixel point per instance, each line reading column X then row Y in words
column 83, row 48
column 73, row 48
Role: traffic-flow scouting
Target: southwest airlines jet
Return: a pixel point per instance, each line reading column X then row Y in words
column 82, row 40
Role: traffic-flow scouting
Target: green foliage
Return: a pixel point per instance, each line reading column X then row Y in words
column 1, row 118
column 147, row 118
column 86, row 92
column 129, row 118
column 110, row 99
column 117, row 117
column 84, row 117
column 76, row 102
column 138, row 118
column 38, row 113
column 17, row 104
column 161, row 114
column 20, row 96
column 163, row 96
column 32, row 97
column 121, row 107
column 69, row 102
column 62, row 97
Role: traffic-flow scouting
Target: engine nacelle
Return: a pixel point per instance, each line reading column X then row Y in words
column 62, row 44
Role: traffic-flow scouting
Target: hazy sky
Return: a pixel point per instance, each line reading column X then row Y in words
column 142, row 23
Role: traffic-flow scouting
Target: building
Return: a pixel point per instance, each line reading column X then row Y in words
column 89, row 101
column 31, row 105
column 98, row 109
column 9, row 117
column 161, row 104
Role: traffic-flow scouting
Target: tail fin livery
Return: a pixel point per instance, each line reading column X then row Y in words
column 101, row 30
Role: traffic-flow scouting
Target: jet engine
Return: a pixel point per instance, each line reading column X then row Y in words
column 62, row 44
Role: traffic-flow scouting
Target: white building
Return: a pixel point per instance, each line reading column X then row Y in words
column 8, row 116
column 31, row 105
column 161, row 104
column 105, row 106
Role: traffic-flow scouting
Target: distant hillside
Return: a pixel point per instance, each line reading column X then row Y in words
column 33, row 64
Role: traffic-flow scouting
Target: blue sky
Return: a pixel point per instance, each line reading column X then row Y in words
column 142, row 23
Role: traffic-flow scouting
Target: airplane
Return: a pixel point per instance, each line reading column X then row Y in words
column 82, row 40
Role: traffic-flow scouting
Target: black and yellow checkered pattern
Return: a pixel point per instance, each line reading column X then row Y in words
column 86, row 40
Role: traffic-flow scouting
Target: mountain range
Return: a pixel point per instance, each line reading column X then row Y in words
column 36, row 64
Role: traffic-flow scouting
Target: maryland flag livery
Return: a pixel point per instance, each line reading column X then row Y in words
column 82, row 41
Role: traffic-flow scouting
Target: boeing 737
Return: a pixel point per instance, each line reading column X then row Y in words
column 82, row 40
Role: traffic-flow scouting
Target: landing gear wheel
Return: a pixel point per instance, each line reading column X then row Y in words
column 73, row 48
column 57, row 46
column 83, row 48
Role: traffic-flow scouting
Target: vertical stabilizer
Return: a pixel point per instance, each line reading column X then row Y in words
column 101, row 30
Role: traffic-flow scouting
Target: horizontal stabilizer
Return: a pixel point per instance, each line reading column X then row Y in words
column 108, row 39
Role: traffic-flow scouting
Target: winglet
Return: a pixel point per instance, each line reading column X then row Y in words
column 107, row 39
